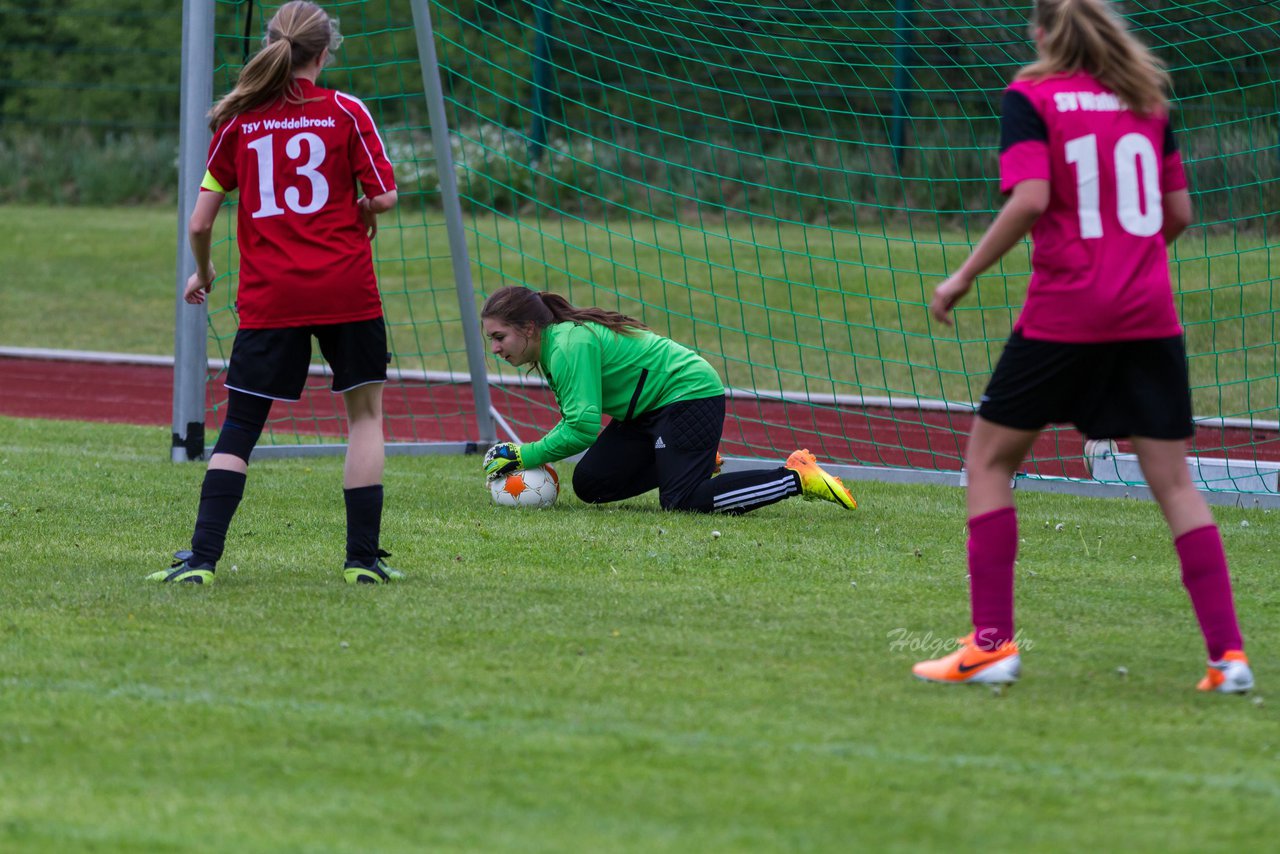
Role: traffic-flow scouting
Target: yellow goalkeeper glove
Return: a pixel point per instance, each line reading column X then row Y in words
column 502, row 458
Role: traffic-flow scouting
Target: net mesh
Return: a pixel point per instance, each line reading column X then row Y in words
column 779, row 185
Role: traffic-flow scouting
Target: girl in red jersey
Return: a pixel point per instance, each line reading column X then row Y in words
column 1088, row 158
column 312, row 174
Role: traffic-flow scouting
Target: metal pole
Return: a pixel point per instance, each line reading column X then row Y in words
column 904, row 54
column 191, row 322
column 451, row 201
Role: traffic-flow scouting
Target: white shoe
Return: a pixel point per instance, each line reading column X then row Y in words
column 1228, row 675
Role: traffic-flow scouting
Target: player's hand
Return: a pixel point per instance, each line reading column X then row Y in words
column 367, row 217
column 946, row 295
column 502, row 458
column 199, row 285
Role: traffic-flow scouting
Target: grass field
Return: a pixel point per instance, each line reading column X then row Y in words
column 585, row 679
column 773, row 306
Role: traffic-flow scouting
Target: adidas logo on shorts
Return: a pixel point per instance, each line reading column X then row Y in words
column 659, row 445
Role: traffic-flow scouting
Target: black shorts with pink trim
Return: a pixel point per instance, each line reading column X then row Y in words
column 274, row 362
column 1108, row 390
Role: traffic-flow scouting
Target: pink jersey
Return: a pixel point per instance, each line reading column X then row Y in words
column 1100, row 269
column 305, row 256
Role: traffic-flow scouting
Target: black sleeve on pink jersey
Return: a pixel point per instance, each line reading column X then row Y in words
column 1019, row 121
column 1170, row 144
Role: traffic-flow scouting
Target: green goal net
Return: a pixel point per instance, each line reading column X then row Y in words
column 780, row 185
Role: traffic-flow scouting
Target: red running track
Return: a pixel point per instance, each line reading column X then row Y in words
column 879, row 436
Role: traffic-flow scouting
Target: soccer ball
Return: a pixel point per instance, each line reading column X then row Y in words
column 536, row 487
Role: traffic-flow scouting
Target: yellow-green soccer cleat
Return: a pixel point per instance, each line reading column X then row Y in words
column 184, row 570
column 816, row 483
column 374, row 572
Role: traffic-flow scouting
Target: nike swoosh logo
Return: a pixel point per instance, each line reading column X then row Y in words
column 839, row 499
column 965, row 668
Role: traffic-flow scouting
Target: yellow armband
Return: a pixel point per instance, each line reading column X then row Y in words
column 211, row 184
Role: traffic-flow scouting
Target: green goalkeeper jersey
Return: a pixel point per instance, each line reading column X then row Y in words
column 595, row 371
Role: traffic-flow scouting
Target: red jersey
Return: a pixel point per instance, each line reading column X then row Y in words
column 1099, row 266
column 305, row 256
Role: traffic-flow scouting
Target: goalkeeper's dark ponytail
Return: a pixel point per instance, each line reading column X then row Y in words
column 518, row 306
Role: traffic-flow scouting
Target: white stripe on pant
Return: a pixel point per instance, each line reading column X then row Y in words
column 761, row 493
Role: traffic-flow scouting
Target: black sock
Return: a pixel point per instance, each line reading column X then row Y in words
column 219, row 497
column 364, row 521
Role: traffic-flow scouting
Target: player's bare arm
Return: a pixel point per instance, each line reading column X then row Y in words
column 1025, row 205
column 200, row 237
column 1177, row 214
column 370, row 207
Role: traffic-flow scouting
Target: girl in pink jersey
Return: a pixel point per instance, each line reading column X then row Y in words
column 1088, row 160
column 312, row 175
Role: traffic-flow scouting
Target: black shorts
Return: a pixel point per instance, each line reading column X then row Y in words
column 672, row 448
column 274, row 362
column 1110, row 390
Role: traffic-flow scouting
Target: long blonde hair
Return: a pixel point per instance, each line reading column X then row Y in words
column 1090, row 36
column 296, row 35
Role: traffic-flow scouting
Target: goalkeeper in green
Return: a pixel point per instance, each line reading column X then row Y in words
column 666, row 405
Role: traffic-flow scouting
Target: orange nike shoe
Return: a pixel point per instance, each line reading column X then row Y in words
column 816, row 483
column 969, row 664
column 1228, row 675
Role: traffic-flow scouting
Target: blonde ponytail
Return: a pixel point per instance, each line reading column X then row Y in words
column 1090, row 36
column 296, row 35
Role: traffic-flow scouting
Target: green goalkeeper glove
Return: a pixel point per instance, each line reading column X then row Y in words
column 502, row 458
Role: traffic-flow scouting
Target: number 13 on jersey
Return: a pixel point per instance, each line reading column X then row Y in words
column 293, row 149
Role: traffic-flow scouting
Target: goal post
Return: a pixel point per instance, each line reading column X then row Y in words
column 191, row 322
column 779, row 186
column 459, row 257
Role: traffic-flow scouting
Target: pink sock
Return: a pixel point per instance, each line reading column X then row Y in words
column 1204, row 574
column 993, row 546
